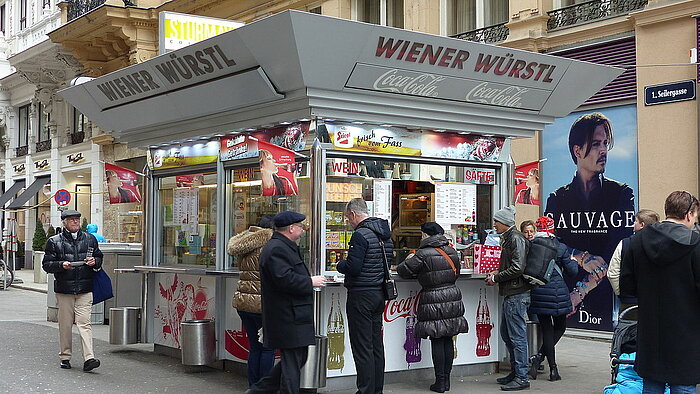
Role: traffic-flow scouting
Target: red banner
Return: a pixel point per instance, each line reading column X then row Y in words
column 191, row 180
column 278, row 170
column 527, row 183
column 121, row 184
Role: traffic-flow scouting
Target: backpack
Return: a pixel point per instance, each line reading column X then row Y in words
column 540, row 261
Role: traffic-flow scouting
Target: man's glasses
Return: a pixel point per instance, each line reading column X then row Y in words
column 302, row 226
column 690, row 205
column 72, row 219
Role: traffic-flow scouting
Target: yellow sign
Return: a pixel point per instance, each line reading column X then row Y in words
column 179, row 30
column 184, row 155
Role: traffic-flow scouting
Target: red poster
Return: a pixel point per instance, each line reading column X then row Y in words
column 191, row 180
column 527, row 183
column 277, row 169
column 121, row 184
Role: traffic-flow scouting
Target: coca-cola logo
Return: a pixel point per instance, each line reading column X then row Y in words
column 510, row 96
column 395, row 81
column 400, row 307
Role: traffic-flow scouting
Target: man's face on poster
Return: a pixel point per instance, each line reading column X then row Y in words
column 596, row 159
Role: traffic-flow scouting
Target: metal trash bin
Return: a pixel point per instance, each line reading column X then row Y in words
column 198, row 342
column 124, row 325
column 313, row 372
column 534, row 337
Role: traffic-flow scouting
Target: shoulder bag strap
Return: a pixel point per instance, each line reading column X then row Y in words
column 387, row 275
column 449, row 260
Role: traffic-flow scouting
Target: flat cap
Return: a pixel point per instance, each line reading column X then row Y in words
column 69, row 212
column 284, row 219
column 432, row 228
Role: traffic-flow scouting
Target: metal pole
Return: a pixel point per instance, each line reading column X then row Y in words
column 318, row 183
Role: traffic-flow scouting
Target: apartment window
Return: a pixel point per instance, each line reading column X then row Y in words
column 381, row 12
column 23, row 136
column 22, row 14
column 461, row 16
column 79, row 122
column 3, row 17
column 44, row 119
column 495, row 12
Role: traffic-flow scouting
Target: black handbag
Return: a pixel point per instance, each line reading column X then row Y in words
column 390, row 290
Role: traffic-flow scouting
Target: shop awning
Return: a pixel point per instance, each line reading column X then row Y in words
column 29, row 192
column 12, row 191
column 296, row 65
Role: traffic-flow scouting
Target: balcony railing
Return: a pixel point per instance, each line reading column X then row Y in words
column 22, row 151
column 76, row 138
column 78, row 8
column 591, row 11
column 43, row 146
column 489, row 34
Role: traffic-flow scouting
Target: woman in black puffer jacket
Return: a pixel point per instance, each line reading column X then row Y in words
column 440, row 307
column 551, row 302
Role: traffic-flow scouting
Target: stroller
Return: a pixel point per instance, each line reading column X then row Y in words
column 622, row 354
column 624, row 340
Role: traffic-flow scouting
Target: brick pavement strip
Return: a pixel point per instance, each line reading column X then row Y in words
column 30, row 363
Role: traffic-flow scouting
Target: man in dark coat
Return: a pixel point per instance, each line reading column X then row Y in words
column 364, row 278
column 72, row 256
column 516, row 297
column 287, row 304
column 662, row 269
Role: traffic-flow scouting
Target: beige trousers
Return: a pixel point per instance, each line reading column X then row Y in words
column 74, row 308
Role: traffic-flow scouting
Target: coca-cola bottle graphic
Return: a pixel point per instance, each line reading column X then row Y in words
column 483, row 328
column 412, row 344
column 336, row 335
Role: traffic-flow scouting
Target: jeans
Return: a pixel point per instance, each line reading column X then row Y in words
column 654, row 387
column 514, row 331
column 260, row 358
column 365, row 309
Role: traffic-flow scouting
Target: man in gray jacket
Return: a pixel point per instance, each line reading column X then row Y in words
column 516, row 297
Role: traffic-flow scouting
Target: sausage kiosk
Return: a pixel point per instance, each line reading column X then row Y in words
column 304, row 112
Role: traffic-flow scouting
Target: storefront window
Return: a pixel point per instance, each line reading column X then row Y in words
column 249, row 203
column 407, row 195
column 188, row 219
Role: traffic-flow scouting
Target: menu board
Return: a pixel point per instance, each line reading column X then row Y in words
column 382, row 199
column 455, row 203
column 186, row 209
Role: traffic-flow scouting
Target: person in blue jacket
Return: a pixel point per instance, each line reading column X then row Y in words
column 92, row 229
column 551, row 302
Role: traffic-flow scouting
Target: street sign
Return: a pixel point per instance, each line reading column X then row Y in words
column 62, row 197
column 669, row 92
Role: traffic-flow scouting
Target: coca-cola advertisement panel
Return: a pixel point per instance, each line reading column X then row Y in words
column 179, row 298
column 402, row 350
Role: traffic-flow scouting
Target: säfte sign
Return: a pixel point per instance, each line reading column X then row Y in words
column 480, row 176
column 669, row 92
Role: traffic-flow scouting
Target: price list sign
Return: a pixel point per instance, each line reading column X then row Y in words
column 455, row 203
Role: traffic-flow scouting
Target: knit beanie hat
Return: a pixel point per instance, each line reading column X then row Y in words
column 432, row 228
column 505, row 215
column 545, row 224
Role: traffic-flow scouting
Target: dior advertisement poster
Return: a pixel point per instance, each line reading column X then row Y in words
column 589, row 184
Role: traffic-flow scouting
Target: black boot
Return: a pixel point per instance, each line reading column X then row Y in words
column 439, row 385
column 535, row 362
column 554, row 373
column 447, row 381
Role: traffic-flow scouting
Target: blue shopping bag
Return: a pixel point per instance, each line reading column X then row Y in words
column 101, row 287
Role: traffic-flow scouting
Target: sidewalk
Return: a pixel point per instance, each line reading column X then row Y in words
column 583, row 362
column 27, row 277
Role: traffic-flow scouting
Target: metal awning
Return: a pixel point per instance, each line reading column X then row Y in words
column 296, row 65
column 29, row 192
column 12, row 191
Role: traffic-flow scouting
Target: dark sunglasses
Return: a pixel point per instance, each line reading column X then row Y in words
column 690, row 205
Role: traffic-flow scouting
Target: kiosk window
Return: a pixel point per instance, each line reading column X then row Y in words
column 188, row 219
column 257, row 191
column 407, row 195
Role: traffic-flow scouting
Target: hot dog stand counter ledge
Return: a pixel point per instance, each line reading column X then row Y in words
column 304, row 112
